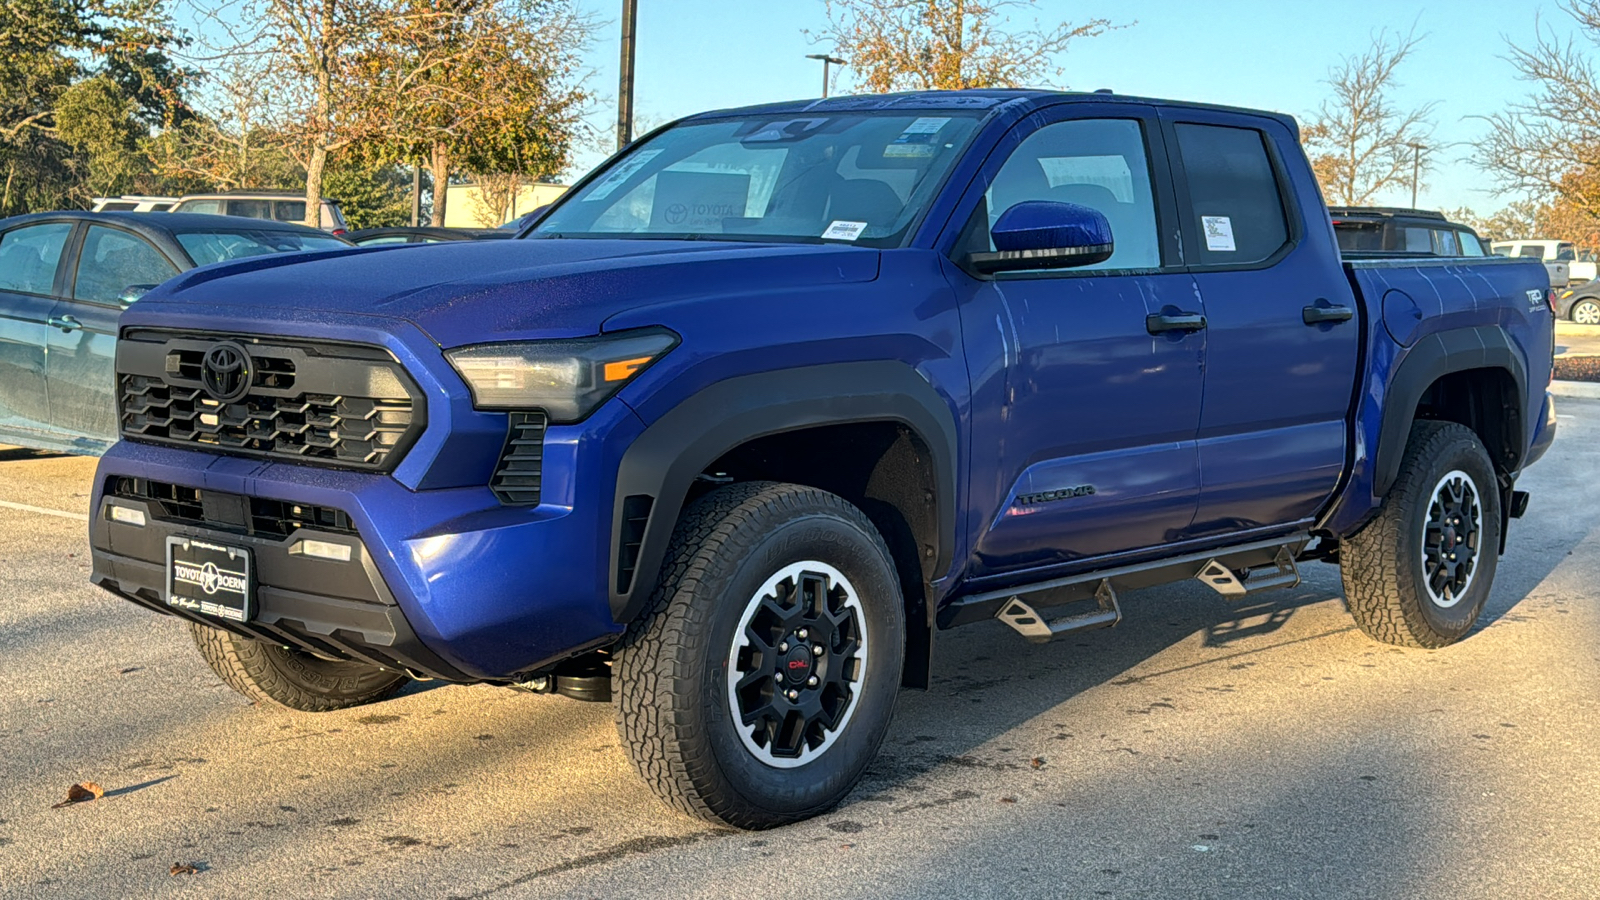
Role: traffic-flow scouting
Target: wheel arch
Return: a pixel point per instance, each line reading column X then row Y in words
column 738, row 420
column 1473, row 376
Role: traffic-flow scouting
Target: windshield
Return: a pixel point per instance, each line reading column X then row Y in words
column 207, row 247
column 857, row 177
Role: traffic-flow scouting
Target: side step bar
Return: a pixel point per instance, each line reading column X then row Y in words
column 1040, row 630
column 1251, row 570
column 1280, row 573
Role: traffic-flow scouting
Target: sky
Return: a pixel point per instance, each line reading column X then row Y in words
column 694, row 55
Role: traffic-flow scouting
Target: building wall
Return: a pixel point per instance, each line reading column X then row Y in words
column 465, row 201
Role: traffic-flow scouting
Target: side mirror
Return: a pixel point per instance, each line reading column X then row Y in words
column 1044, row 234
column 133, row 292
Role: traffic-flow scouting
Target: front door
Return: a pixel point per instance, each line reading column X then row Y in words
column 29, row 259
column 1083, row 421
column 112, row 267
column 1280, row 360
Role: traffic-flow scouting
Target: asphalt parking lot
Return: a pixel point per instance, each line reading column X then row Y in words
column 1199, row 750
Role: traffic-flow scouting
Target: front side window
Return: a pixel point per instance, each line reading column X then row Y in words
column 208, row 207
column 1098, row 163
column 113, row 261
column 29, row 256
column 1567, row 252
column 1532, row 252
column 206, row 247
column 1418, row 240
column 1445, row 243
column 857, row 177
column 1470, row 245
column 1234, row 202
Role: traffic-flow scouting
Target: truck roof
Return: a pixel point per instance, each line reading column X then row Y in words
column 985, row 99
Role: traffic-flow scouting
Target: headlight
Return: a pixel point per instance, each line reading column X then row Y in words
column 567, row 378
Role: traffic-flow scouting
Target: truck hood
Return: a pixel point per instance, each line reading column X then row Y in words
column 470, row 292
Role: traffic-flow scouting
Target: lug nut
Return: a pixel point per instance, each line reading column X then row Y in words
column 816, row 650
column 794, row 695
column 783, row 647
column 812, row 681
column 801, row 634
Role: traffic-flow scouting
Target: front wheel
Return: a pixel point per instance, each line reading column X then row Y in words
column 1419, row 573
column 284, row 676
column 758, row 688
column 1585, row 312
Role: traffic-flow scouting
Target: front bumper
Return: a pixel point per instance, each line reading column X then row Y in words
column 446, row 583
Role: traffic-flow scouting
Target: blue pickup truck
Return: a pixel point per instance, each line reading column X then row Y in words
column 779, row 393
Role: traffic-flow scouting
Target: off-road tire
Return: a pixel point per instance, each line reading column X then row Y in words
column 674, row 710
column 1381, row 565
column 281, row 676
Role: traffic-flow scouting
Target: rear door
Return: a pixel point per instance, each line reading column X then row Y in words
column 30, row 258
column 1083, row 420
column 1283, row 335
column 83, row 326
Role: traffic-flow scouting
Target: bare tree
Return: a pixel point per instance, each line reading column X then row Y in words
column 1361, row 143
column 233, row 145
column 947, row 44
column 1548, row 145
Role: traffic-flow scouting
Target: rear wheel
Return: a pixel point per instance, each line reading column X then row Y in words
column 1418, row 575
column 1585, row 312
column 283, row 676
column 759, row 687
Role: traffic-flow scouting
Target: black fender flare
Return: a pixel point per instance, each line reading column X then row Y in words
column 663, row 462
column 1434, row 356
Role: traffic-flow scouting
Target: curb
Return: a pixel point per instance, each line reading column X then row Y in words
column 1582, row 389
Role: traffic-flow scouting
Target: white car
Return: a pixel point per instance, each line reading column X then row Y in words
column 133, row 203
column 1558, row 257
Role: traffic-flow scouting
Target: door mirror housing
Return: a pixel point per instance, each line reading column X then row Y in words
column 1044, row 234
column 133, row 292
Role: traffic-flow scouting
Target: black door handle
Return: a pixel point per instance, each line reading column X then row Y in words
column 1316, row 315
column 1161, row 323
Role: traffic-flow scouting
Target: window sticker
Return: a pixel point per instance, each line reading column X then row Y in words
column 698, row 201
column 1219, row 232
column 908, row 151
column 841, row 230
column 617, row 176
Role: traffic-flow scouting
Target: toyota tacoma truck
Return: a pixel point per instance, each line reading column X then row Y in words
column 746, row 418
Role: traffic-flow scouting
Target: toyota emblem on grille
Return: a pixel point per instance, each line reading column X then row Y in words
column 225, row 372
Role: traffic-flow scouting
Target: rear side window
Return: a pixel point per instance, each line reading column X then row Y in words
column 1445, row 243
column 209, row 207
column 250, row 209
column 113, row 261
column 1234, row 201
column 1417, row 240
column 1534, row 252
column 29, row 255
column 289, row 210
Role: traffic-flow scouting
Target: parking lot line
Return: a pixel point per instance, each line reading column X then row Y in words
column 23, row 507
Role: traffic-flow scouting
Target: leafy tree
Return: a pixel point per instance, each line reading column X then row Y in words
column 1360, row 142
column 895, row 45
column 1548, row 145
column 371, row 193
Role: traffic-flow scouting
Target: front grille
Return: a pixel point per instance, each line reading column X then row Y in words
column 255, row 516
column 516, row 480
column 330, row 404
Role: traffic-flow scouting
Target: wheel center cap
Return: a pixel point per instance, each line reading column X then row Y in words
column 1449, row 539
column 796, row 664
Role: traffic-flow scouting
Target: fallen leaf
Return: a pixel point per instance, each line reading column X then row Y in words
column 1038, row 762
column 82, row 793
column 183, row 869
column 1008, row 799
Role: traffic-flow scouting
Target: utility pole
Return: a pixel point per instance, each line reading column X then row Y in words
column 1416, row 169
column 826, row 60
column 630, row 10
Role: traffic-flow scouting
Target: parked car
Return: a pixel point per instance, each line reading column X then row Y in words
column 133, row 203
column 277, row 206
column 1580, row 303
column 65, row 277
column 1370, row 230
column 1558, row 256
column 778, row 393
column 416, row 234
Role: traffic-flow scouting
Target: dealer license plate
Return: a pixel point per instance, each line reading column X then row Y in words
column 211, row 579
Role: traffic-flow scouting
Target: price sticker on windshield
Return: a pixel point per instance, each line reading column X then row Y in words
column 844, row 231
